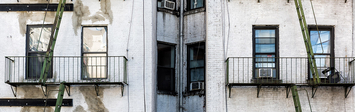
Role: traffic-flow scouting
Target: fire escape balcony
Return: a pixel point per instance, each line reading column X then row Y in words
column 287, row 71
column 74, row 70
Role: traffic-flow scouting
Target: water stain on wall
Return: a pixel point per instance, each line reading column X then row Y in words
column 25, row 17
column 79, row 109
column 82, row 12
column 93, row 101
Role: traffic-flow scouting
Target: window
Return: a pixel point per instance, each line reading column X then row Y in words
column 195, row 4
column 323, row 48
column 37, row 44
column 196, row 66
column 166, row 68
column 94, row 52
column 265, row 48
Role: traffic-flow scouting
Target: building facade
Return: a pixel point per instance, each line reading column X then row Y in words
column 178, row 55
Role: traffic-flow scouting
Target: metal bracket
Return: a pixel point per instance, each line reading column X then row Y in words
column 288, row 89
column 230, row 88
column 67, row 88
column 258, row 90
column 347, row 90
column 314, row 90
column 45, row 92
column 14, row 91
column 97, row 89
column 122, row 89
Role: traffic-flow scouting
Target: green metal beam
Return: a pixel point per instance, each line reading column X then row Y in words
column 54, row 34
column 58, row 105
column 307, row 42
column 296, row 99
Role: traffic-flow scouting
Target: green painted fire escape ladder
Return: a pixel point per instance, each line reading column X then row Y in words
column 49, row 54
column 310, row 56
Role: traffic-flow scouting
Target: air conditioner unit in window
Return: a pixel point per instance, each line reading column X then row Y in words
column 169, row 5
column 265, row 72
column 197, row 86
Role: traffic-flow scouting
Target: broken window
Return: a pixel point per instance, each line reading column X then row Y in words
column 322, row 46
column 196, row 66
column 166, row 68
column 37, row 44
column 94, row 52
column 195, row 4
column 265, row 52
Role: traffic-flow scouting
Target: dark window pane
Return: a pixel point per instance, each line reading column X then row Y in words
column 166, row 79
column 166, row 55
column 197, row 74
column 166, row 68
column 35, row 65
column 94, row 39
column 197, row 62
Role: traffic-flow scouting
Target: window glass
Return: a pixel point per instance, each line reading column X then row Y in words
column 166, row 68
column 94, row 52
column 264, row 33
column 321, row 45
column 319, row 41
column 94, row 39
column 197, row 62
column 38, row 42
column 265, row 53
column 194, row 4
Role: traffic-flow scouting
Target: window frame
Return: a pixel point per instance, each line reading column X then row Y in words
column 188, row 66
column 82, row 53
column 28, row 52
column 172, row 91
column 276, row 28
column 331, row 54
column 189, row 4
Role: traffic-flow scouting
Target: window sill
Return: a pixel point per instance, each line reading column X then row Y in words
column 167, row 93
column 193, row 93
column 194, row 11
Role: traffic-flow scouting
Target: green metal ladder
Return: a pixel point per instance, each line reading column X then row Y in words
column 49, row 55
column 310, row 55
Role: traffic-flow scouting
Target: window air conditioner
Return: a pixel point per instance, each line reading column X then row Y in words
column 265, row 72
column 197, row 86
column 169, row 5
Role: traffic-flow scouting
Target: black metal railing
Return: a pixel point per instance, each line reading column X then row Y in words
column 289, row 70
column 71, row 69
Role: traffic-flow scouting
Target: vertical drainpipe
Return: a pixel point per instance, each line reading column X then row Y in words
column 181, row 35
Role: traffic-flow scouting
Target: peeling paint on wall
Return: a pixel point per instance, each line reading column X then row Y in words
column 37, row 109
column 25, row 17
column 94, row 102
column 82, row 12
column 79, row 109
